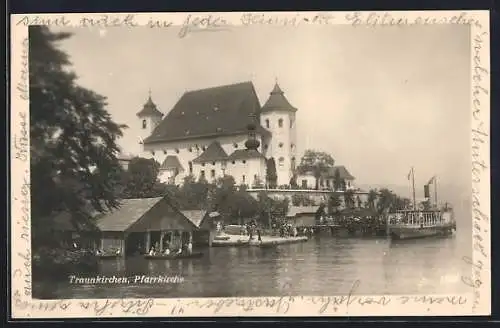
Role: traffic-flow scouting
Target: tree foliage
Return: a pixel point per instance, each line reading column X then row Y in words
column 337, row 180
column 372, row 198
column 388, row 201
column 271, row 210
column 73, row 138
column 271, row 175
column 194, row 195
column 141, row 179
column 349, row 199
column 334, row 203
column 316, row 162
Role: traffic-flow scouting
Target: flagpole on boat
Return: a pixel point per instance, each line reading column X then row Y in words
column 435, row 191
column 413, row 187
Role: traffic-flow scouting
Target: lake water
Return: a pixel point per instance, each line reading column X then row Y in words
column 322, row 266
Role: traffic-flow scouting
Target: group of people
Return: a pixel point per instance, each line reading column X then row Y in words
column 155, row 249
column 114, row 251
column 287, row 230
column 251, row 230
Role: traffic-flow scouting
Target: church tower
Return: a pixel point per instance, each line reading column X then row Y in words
column 149, row 118
column 278, row 116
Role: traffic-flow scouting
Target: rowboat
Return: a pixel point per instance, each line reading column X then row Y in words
column 108, row 256
column 173, row 256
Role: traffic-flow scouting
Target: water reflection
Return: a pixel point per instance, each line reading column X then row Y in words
column 324, row 265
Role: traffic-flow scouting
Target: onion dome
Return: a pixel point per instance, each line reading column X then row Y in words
column 252, row 144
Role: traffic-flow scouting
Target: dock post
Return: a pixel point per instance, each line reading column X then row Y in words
column 148, row 241
column 123, row 245
column 162, row 235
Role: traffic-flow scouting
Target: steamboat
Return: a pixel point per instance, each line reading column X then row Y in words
column 421, row 222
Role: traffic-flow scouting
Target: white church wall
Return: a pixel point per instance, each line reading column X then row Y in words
column 280, row 146
column 245, row 171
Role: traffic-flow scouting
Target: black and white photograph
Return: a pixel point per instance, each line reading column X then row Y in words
column 259, row 159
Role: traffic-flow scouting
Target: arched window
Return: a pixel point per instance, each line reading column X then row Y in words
column 267, row 124
column 291, row 123
column 280, row 122
column 281, row 161
column 280, row 145
column 144, row 124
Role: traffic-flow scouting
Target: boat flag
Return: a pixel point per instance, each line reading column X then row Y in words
column 426, row 187
column 409, row 174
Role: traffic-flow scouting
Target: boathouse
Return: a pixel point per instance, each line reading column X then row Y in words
column 139, row 224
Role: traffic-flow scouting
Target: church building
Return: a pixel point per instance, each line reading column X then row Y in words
column 221, row 131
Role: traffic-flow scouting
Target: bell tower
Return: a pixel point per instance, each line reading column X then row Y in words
column 149, row 118
column 278, row 116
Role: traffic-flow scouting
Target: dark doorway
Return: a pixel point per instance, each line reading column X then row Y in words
column 134, row 244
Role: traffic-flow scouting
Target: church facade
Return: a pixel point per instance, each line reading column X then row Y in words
column 221, row 131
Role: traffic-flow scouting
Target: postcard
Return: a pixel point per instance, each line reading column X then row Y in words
column 250, row 164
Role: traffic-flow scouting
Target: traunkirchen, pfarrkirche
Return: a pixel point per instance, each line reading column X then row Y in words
column 206, row 134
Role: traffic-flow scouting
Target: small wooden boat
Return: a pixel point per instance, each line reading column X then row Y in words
column 222, row 238
column 108, row 256
column 173, row 256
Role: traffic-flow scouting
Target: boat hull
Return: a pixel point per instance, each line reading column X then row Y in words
column 403, row 233
column 174, row 257
column 108, row 256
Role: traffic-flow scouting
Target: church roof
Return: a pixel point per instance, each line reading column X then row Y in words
column 149, row 109
column 241, row 154
column 214, row 152
column 171, row 162
column 277, row 101
column 217, row 111
column 344, row 174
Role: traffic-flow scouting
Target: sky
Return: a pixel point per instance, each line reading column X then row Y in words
column 379, row 100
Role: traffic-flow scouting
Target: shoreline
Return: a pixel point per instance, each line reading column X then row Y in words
column 244, row 240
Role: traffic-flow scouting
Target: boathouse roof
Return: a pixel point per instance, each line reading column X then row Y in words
column 135, row 215
column 195, row 216
column 211, row 112
column 129, row 212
